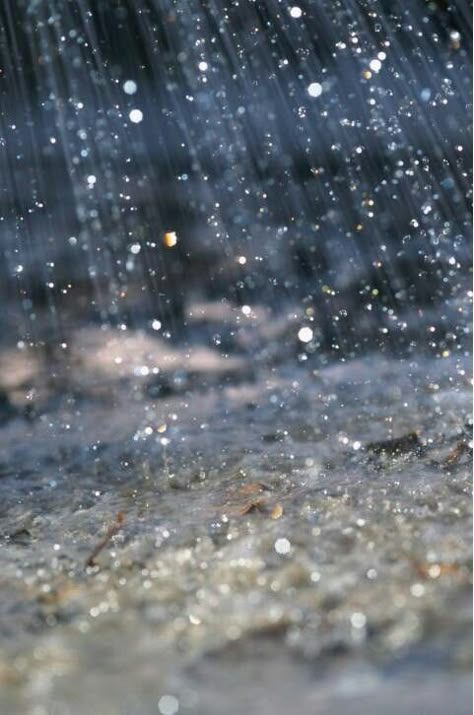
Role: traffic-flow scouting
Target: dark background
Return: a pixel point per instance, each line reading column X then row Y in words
column 237, row 159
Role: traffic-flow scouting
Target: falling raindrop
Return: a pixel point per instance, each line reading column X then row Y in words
column 130, row 87
column 136, row 116
column 315, row 89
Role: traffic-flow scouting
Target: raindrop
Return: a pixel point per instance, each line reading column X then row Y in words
column 136, row 116
column 296, row 11
column 315, row 89
column 130, row 87
column 168, row 705
column 375, row 65
column 305, row 335
column 282, row 546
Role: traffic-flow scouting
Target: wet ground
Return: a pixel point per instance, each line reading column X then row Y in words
column 286, row 534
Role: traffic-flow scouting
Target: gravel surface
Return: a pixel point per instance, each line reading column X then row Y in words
column 287, row 538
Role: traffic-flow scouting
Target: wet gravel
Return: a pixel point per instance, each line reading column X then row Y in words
column 280, row 549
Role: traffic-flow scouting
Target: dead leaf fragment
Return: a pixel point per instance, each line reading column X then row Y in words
column 277, row 511
column 255, row 505
column 455, row 455
column 436, row 570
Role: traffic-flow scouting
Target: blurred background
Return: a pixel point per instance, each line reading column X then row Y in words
column 312, row 157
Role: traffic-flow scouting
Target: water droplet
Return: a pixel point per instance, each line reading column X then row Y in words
column 305, row 335
column 171, row 239
column 168, row 705
column 296, row 11
column 136, row 116
column 315, row 89
column 282, row 546
column 417, row 590
column 358, row 620
column 129, row 87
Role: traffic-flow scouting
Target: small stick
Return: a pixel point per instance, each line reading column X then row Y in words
column 116, row 526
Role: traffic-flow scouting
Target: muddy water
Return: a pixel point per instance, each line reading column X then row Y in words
column 269, row 561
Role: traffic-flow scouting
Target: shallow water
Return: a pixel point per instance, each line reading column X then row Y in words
column 356, row 594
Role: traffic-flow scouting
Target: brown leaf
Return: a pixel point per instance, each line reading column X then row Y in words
column 255, row 505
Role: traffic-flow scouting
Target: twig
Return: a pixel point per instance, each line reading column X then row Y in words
column 116, row 526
